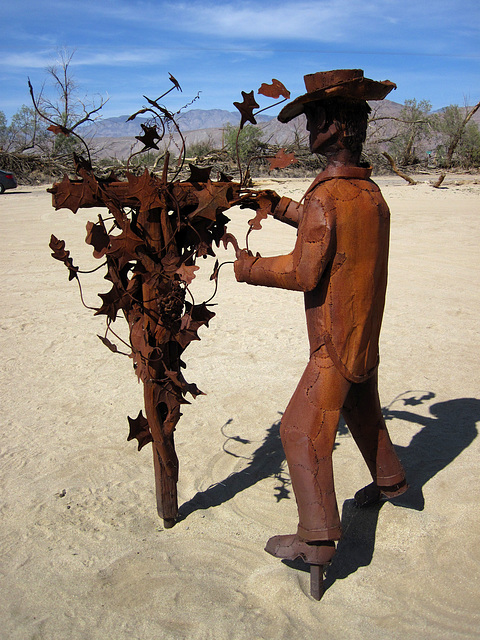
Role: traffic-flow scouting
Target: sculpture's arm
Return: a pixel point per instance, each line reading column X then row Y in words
column 301, row 269
column 269, row 203
column 288, row 211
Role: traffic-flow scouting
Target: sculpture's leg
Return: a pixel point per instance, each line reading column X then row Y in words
column 317, row 555
column 308, row 430
column 316, row 581
column 363, row 414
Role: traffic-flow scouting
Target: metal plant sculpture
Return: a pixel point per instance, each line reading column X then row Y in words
column 156, row 229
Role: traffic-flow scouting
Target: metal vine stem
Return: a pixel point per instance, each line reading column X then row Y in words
column 162, row 322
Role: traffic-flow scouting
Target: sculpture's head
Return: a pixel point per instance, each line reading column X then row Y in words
column 336, row 107
column 337, row 123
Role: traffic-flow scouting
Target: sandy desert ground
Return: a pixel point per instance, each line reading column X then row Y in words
column 83, row 554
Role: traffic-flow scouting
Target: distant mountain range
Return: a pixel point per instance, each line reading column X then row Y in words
column 191, row 120
column 115, row 137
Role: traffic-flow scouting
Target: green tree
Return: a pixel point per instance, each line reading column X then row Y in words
column 3, row 132
column 460, row 139
column 414, row 126
column 27, row 131
column 468, row 149
column 249, row 141
column 454, row 126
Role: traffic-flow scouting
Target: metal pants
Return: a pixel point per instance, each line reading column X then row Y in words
column 308, row 429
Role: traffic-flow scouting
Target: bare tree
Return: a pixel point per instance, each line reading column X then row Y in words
column 64, row 110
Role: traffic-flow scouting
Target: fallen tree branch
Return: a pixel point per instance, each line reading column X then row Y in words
column 396, row 170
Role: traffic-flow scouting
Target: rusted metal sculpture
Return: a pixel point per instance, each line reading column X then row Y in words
column 340, row 263
column 159, row 227
column 164, row 228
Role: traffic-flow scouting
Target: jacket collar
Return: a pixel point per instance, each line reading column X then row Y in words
column 360, row 173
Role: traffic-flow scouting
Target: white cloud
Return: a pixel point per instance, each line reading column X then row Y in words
column 322, row 21
column 111, row 57
column 262, row 20
column 105, row 58
column 28, row 60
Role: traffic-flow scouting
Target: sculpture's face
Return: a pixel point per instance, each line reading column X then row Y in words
column 322, row 133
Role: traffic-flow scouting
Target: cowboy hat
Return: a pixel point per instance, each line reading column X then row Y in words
column 339, row 83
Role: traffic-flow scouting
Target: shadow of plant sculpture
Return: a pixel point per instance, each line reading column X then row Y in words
column 159, row 228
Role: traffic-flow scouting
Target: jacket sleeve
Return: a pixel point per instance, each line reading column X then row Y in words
column 288, row 211
column 301, row 269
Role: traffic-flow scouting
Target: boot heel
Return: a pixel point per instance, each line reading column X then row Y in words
column 317, row 588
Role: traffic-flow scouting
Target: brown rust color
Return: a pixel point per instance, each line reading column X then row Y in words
column 339, row 262
column 160, row 229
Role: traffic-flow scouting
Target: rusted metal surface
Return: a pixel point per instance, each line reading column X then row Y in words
column 339, row 261
column 161, row 227
column 160, row 231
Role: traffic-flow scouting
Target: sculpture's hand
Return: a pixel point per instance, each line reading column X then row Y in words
column 265, row 200
column 243, row 265
column 268, row 203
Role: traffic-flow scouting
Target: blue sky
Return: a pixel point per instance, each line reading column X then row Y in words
column 125, row 49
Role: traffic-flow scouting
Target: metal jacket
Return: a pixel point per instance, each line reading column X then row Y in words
column 340, row 262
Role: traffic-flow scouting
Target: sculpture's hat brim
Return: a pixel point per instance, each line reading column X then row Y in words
column 340, row 83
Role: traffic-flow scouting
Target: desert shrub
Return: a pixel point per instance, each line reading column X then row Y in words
column 249, row 141
column 200, row 149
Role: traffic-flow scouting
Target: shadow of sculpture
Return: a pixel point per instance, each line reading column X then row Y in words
column 265, row 462
column 15, row 193
column 448, row 431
